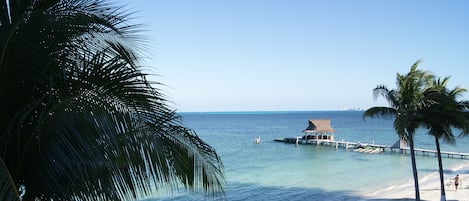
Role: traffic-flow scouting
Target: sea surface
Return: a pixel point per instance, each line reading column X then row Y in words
column 278, row 171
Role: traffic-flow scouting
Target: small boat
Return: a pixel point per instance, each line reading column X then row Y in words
column 257, row 140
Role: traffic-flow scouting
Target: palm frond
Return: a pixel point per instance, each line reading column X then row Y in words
column 80, row 120
column 381, row 90
column 8, row 190
column 170, row 155
column 379, row 112
column 387, row 94
column 403, row 130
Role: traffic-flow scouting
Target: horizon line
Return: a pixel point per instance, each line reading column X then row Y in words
column 251, row 111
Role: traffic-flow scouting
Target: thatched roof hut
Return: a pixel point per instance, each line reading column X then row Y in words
column 319, row 126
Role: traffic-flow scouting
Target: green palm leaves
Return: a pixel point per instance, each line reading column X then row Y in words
column 422, row 100
column 79, row 119
column 8, row 190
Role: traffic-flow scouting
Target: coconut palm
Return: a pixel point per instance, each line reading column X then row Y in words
column 79, row 120
column 405, row 103
column 443, row 113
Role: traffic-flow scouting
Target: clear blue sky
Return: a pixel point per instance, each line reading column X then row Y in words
column 251, row 55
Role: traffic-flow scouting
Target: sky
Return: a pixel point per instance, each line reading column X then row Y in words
column 288, row 55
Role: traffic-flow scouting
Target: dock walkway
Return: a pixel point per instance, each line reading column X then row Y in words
column 352, row 145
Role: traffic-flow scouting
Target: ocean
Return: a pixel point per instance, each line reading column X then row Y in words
column 278, row 171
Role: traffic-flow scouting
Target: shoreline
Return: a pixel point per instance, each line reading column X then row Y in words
column 429, row 187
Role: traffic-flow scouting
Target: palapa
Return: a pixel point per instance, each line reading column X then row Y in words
column 319, row 126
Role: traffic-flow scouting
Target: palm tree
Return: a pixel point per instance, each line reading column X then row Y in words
column 79, row 120
column 405, row 104
column 443, row 113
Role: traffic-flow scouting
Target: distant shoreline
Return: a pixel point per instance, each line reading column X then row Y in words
column 263, row 112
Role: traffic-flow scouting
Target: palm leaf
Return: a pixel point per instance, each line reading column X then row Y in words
column 379, row 112
column 80, row 120
column 7, row 185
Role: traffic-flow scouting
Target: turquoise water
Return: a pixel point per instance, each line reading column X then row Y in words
column 278, row 171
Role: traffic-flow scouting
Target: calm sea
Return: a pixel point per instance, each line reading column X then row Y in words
column 277, row 171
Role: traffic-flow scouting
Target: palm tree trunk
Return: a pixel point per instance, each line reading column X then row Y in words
column 440, row 168
column 414, row 168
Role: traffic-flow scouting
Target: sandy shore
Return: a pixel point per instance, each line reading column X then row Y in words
column 429, row 187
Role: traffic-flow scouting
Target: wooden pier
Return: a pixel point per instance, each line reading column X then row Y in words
column 320, row 132
column 398, row 147
column 430, row 152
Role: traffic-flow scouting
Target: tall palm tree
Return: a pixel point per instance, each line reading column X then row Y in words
column 405, row 103
column 79, row 120
column 443, row 113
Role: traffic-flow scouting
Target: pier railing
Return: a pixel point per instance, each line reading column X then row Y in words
column 352, row 145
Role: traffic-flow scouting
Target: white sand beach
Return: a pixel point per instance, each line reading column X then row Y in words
column 429, row 187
